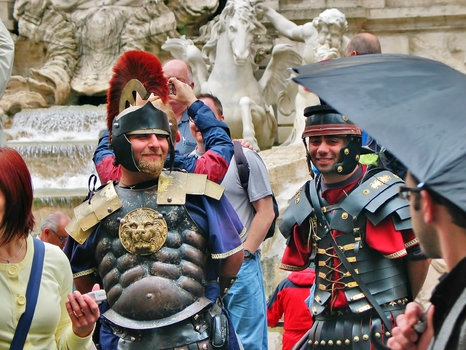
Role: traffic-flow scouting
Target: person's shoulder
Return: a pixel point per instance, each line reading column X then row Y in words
column 55, row 257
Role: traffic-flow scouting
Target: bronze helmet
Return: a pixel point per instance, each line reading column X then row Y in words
column 323, row 120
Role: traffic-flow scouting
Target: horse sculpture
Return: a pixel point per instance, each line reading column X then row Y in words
column 226, row 69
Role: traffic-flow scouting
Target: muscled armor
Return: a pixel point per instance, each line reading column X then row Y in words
column 152, row 262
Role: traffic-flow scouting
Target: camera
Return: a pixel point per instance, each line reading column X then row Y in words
column 171, row 86
column 98, row 295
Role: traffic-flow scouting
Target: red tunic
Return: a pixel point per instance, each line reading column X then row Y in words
column 382, row 237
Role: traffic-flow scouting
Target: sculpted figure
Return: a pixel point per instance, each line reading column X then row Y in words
column 82, row 40
column 226, row 68
column 324, row 39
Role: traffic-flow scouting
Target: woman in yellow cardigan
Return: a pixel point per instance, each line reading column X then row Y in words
column 62, row 319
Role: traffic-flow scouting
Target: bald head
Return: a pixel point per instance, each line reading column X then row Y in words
column 363, row 44
column 178, row 69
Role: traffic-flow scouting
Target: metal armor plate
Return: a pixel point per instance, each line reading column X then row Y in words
column 152, row 261
column 143, row 231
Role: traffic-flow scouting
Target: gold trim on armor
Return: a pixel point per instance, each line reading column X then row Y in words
column 227, row 254
column 143, row 231
column 397, row 254
column 380, row 181
column 357, row 296
column 363, row 308
column 411, row 243
column 83, row 273
column 243, row 233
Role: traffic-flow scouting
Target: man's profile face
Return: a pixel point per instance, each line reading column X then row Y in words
column 325, row 151
column 425, row 233
column 150, row 152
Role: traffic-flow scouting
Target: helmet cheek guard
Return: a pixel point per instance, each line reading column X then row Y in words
column 349, row 154
column 323, row 120
column 138, row 120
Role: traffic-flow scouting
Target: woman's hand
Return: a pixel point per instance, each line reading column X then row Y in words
column 84, row 312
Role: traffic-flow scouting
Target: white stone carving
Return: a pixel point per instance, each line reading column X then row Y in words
column 226, row 69
column 323, row 39
column 82, row 40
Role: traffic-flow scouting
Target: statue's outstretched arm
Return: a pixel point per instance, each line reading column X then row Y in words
column 7, row 53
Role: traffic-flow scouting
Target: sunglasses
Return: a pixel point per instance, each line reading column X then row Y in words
column 405, row 191
column 62, row 239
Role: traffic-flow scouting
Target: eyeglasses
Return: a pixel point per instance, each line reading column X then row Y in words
column 62, row 239
column 405, row 191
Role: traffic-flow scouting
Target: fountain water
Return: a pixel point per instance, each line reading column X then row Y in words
column 57, row 144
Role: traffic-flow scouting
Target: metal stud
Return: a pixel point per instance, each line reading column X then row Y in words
column 330, row 343
column 109, row 209
column 169, row 199
column 338, row 342
column 365, row 337
column 322, row 342
column 356, row 339
column 347, row 342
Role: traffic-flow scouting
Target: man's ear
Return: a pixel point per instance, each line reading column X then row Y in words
column 178, row 136
column 428, row 207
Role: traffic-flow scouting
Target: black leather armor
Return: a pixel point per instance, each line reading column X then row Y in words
column 374, row 199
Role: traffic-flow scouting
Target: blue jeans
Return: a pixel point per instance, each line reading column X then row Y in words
column 246, row 305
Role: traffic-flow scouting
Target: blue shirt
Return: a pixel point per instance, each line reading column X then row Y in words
column 187, row 143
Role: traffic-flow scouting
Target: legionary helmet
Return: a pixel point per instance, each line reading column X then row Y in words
column 323, row 120
column 145, row 119
column 136, row 72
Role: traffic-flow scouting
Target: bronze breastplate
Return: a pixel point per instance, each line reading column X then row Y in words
column 151, row 259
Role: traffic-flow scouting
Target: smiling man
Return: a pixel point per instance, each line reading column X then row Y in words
column 164, row 244
column 351, row 223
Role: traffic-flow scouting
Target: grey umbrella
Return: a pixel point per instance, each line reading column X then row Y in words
column 415, row 107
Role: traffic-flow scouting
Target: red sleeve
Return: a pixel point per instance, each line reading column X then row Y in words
column 107, row 171
column 299, row 246
column 388, row 241
column 212, row 164
column 275, row 311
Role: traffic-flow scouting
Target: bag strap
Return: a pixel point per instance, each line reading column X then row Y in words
column 241, row 164
column 32, row 292
column 444, row 336
column 323, row 221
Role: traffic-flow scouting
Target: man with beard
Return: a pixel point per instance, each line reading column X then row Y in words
column 164, row 244
column 440, row 226
column 349, row 221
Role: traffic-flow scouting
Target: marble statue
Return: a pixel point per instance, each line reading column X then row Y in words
column 82, row 40
column 226, row 68
column 324, row 39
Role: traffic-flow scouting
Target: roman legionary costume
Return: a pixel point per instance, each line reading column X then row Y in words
column 155, row 246
column 356, row 232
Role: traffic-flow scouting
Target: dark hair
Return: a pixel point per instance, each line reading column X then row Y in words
column 364, row 44
column 457, row 214
column 16, row 186
column 217, row 103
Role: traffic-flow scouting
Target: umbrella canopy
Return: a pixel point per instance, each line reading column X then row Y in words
column 415, row 107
